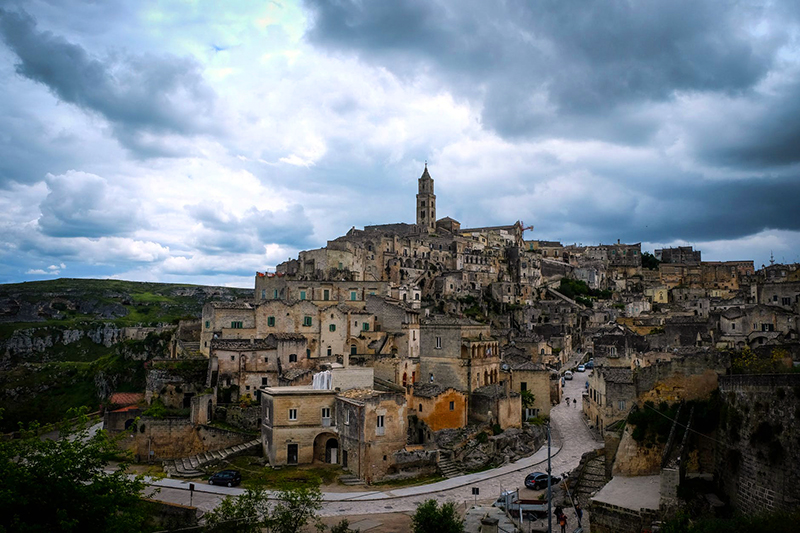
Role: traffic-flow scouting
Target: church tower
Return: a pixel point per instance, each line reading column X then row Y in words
column 426, row 203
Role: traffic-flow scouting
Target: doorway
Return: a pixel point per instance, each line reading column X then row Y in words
column 291, row 454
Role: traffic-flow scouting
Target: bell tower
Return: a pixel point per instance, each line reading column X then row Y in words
column 426, row 203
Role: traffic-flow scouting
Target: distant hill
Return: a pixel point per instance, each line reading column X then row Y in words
column 63, row 342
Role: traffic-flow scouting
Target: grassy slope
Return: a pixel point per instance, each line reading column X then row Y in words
column 48, row 384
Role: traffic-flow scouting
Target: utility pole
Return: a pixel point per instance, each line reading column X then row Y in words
column 549, row 486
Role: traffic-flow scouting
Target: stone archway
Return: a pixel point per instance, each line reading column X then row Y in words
column 326, row 448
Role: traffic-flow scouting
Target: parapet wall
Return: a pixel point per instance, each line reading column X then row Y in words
column 758, row 453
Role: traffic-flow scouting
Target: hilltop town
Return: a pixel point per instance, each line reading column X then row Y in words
column 415, row 349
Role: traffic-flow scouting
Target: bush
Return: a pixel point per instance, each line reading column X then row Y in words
column 496, row 429
column 430, row 518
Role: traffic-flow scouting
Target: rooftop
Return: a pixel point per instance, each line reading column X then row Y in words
column 642, row 492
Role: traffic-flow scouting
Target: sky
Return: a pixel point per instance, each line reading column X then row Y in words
column 200, row 142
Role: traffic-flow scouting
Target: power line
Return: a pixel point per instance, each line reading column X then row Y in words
column 686, row 427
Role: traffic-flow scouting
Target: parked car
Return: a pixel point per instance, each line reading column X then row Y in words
column 538, row 480
column 589, row 365
column 226, row 477
column 581, row 368
column 568, row 374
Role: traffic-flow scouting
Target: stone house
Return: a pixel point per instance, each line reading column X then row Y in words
column 496, row 404
column 756, row 325
column 298, row 425
column 372, row 427
column 537, row 379
column 435, row 408
column 458, row 353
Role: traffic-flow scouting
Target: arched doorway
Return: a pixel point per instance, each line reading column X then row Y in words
column 326, row 448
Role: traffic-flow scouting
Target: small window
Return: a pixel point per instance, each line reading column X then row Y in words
column 233, row 358
column 275, row 294
column 326, row 294
column 523, row 386
column 292, row 357
column 452, row 406
column 302, row 295
column 263, row 294
column 347, row 418
column 621, row 405
column 380, row 428
column 307, row 321
column 271, row 321
column 292, row 414
column 264, row 382
column 365, row 326
column 332, row 327
column 237, row 324
column 353, row 349
column 438, row 342
column 352, row 295
column 308, row 353
column 326, row 412
column 208, row 324
column 247, row 387
column 330, row 351
column 420, row 408
column 266, row 359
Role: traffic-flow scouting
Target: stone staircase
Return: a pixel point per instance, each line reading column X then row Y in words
column 192, row 466
column 350, row 480
column 449, row 468
column 189, row 349
column 592, row 479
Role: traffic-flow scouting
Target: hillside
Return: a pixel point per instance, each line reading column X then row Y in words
column 69, row 342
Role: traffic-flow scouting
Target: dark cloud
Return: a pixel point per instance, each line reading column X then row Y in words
column 84, row 205
column 138, row 95
column 544, row 67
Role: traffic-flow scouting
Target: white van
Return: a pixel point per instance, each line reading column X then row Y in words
column 568, row 374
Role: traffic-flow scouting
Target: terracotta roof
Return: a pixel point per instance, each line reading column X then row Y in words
column 428, row 390
column 125, row 398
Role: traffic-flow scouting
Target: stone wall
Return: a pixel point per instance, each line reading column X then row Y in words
column 635, row 460
column 174, row 438
column 758, row 459
column 607, row 518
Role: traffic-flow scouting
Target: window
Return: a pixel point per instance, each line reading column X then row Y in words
column 326, row 416
column 271, row 321
column 380, row 429
column 612, row 351
column 452, row 406
column 208, row 324
column 733, row 326
column 365, row 326
column 292, row 414
column 353, row 349
column 292, row 357
column 307, row 321
column 308, row 353
column 438, row 342
column 332, row 327
column 263, row 294
column 233, row 358
column 247, row 387
column 416, row 296
column 786, row 301
column 275, row 294
column 420, row 408
column 264, row 382
column 767, row 327
column 302, row 295
column 330, row 351
column 347, row 418
column 237, row 324
column 621, row 405
column 352, row 295
column 774, row 297
column 523, row 386
column 340, row 266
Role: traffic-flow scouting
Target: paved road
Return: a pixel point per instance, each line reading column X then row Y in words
column 571, row 439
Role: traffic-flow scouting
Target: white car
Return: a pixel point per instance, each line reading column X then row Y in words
column 568, row 374
column 581, row 368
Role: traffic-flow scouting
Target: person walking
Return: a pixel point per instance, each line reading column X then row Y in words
column 579, row 512
column 574, row 403
column 562, row 521
column 567, row 400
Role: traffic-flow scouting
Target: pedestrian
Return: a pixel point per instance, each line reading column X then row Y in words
column 574, row 402
column 579, row 512
column 567, row 400
column 562, row 521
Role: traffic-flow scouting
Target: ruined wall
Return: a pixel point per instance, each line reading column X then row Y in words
column 174, row 438
column 758, row 461
column 635, row 460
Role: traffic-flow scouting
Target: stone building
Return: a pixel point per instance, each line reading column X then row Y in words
column 496, row 404
column 435, row 408
column 537, row 379
column 372, row 427
column 298, row 425
column 458, row 353
column 426, row 203
column 679, row 254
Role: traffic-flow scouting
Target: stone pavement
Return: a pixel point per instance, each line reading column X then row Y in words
column 571, row 439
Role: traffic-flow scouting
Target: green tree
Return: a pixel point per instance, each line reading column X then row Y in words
column 431, row 518
column 343, row 527
column 296, row 507
column 62, row 484
column 528, row 399
column 649, row 261
column 247, row 513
